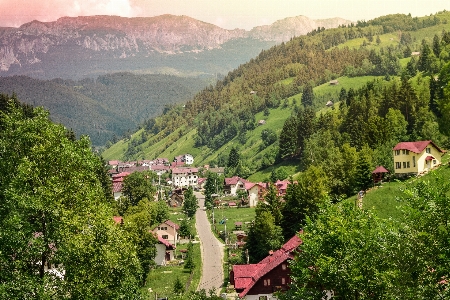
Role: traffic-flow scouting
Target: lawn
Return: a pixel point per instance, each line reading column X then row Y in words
column 161, row 280
column 225, row 218
column 384, row 199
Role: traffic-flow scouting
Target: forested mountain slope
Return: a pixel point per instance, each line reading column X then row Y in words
column 403, row 104
column 107, row 107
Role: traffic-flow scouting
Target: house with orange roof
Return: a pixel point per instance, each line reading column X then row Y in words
column 415, row 158
column 270, row 275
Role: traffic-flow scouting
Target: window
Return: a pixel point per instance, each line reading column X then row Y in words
column 407, row 164
column 405, row 152
column 414, row 161
column 398, row 165
column 434, row 161
column 283, row 280
column 266, row 282
column 262, row 298
column 404, row 165
column 397, row 152
column 283, row 266
column 428, row 150
column 165, row 236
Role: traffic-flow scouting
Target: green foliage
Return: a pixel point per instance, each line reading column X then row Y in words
column 355, row 254
column 190, row 203
column 189, row 263
column 54, row 210
column 268, row 136
column 233, row 158
column 303, row 199
column 185, row 228
column 139, row 185
column 178, row 287
column 263, row 235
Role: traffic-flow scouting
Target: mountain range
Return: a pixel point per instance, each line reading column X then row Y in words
column 78, row 47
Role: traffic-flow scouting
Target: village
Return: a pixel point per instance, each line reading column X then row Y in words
column 270, row 275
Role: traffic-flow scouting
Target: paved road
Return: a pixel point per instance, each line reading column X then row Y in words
column 212, row 251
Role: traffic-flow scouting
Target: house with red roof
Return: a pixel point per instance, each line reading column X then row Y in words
column 256, row 192
column 164, row 251
column 262, row 280
column 415, row 158
column 281, row 186
column 234, row 184
column 168, row 230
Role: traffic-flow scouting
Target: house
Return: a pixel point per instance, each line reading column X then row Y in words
column 256, row 192
column 234, row 184
column 160, row 168
column 118, row 220
column 261, row 280
column 415, row 158
column 117, row 182
column 168, row 230
column 176, row 199
column 164, row 251
column 184, row 177
column 185, row 159
column 281, row 186
column 201, row 183
column 218, row 170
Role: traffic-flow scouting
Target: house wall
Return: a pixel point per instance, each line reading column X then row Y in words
column 276, row 281
column 160, row 254
column 407, row 157
column 185, row 179
column 253, row 196
column 166, row 230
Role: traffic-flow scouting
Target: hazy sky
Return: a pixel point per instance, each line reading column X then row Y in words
column 228, row 14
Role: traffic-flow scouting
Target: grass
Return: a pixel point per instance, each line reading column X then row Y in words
column 232, row 215
column 162, row 279
column 384, row 199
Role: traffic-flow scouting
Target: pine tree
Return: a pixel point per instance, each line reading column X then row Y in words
column 308, row 95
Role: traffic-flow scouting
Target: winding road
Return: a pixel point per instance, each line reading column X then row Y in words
column 212, row 251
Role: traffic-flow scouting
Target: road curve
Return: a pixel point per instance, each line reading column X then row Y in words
column 212, row 251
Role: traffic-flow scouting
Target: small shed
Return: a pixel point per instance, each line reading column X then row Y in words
column 334, row 82
column 329, row 103
column 378, row 174
column 261, row 122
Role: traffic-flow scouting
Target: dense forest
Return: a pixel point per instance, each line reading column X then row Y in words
column 105, row 108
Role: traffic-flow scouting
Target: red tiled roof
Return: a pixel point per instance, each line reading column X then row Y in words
column 231, row 203
column 249, row 185
column 159, row 168
column 114, row 162
column 416, row 147
column 380, row 169
column 282, row 184
column 118, row 219
column 184, row 170
column 172, row 224
column 201, row 180
column 117, row 187
column 246, row 276
column 168, row 245
column 429, row 157
column 234, row 180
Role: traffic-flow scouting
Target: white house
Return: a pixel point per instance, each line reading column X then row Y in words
column 234, row 184
column 184, row 177
column 164, row 251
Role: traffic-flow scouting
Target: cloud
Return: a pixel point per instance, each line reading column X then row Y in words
column 17, row 12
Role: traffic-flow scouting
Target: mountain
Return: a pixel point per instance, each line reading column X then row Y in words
column 259, row 107
column 283, row 30
column 107, row 106
column 77, row 47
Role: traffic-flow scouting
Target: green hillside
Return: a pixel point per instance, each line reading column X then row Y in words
column 375, row 72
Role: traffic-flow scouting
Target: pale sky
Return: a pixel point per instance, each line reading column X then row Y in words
column 227, row 14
